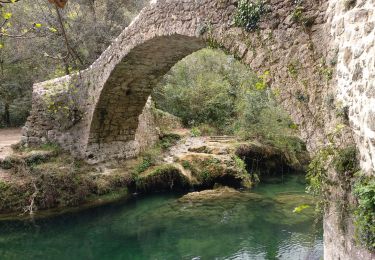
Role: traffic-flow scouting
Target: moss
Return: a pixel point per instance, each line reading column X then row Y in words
column 31, row 156
column 208, row 170
column 14, row 197
column 274, row 157
column 8, row 162
column 64, row 189
column 162, row 178
column 364, row 190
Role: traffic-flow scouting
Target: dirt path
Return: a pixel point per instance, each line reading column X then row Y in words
column 8, row 137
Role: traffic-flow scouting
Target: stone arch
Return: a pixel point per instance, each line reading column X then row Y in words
column 302, row 60
column 124, row 95
column 113, row 90
column 315, row 63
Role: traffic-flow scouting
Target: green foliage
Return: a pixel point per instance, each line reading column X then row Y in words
column 195, row 132
column 300, row 208
column 293, row 68
column 33, row 48
column 317, row 174
column 186, row 164
column 345, row 161
column 293, row 126
column 149, row 158
column 203, row 89
column 145, row 163
column 240, row 164
column 261, row 84
column 249, row 14
column 215, row 94
column 364, row 190
column 169, row 140
column 299, row 17
column 298, row 14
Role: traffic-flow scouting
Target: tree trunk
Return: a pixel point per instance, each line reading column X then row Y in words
column 6, row 116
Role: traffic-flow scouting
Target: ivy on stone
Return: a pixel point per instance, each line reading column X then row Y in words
column 364, row 190
column 249, row 14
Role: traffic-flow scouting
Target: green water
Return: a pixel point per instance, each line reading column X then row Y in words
column 258, row 225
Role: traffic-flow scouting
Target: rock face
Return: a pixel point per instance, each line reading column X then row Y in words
column 320, row 56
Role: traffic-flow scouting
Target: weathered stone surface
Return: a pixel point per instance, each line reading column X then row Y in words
column 333, row 56
column 107, row 98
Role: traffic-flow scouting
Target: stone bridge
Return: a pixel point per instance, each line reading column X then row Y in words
column 320, row 55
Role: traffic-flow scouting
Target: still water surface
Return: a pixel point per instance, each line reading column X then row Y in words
column 251, row 225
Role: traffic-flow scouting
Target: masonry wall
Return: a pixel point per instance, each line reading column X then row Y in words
column 321, row 70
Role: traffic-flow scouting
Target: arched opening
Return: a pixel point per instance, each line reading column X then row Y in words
column 116, row 116
column 220, row 102
column 125, row 93
column 198, row 153
column 303, row 60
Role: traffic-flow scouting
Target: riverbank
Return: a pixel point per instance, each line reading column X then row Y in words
column 45, row 180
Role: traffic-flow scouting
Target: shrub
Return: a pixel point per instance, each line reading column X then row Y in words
column 168, row 140
column 186, row 164
column 345, row 161
column 195, row 132
column 364, row 190
column 145, row 163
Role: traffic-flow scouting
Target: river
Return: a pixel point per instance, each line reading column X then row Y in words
column 249, row 225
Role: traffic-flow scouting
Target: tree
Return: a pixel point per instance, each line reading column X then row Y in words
column 39, row 40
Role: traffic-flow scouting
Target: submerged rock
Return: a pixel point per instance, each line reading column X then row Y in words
column 218, row 193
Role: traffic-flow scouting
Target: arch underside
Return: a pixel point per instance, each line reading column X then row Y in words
column 124, row 95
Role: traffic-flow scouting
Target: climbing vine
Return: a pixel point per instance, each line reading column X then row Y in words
column 62, row 102
column 249, row 14
column 317, row 176
column 364, row 190
column 342, row 159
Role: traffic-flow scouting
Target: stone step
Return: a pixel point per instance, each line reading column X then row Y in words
column 222, row 138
